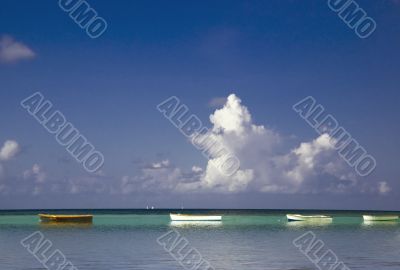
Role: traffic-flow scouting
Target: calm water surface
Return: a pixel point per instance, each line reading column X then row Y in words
column 243, row 240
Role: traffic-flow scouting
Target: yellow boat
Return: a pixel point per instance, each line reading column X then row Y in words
column 66, row 218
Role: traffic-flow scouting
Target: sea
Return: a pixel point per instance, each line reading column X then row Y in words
column 244, row 239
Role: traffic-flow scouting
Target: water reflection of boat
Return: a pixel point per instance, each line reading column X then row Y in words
column 310, row 218
column 380, row 223
column 186, row 217
column 67, row 225
column 196, row 223
column 309, row 223
column 46, row 218
column 380, row 218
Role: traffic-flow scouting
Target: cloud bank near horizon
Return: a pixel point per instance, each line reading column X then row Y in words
column 310, row 167
column 269, row 163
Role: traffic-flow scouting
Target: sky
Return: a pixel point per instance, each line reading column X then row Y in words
column 239, row 67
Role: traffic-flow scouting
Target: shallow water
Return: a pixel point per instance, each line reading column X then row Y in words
column 127, row 239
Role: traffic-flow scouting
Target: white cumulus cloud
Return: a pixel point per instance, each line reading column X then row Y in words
column 9, row 150
column 269, row 162
column 307, row 157
column 263, row 164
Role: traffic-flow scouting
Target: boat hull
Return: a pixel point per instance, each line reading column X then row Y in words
column 194, row 224
column 180, row 217
column 294, row 217
column 380, row 218
column 66, row 218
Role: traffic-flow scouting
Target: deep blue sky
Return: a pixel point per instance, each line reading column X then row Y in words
column 271, row 54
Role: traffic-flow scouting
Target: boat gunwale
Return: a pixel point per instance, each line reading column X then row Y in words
column 181, row 217
column 64, row 216
column 194, row 215
column 308, row 216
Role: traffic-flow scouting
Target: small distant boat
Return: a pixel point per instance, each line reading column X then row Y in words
column 296, row 217
column 186, row 217
column 66, row 218
column 380, row 217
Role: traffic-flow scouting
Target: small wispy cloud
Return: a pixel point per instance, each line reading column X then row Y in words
column 383, row 187
column 12, row 51
column 217, row 102
column 36, row 173
column 160, row 165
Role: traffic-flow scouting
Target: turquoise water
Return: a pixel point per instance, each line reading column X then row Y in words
column 245, row 239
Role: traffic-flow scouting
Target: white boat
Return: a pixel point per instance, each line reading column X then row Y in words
column 188, row 224
column 380, row 217
column 297, row 217
column 185, row 217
